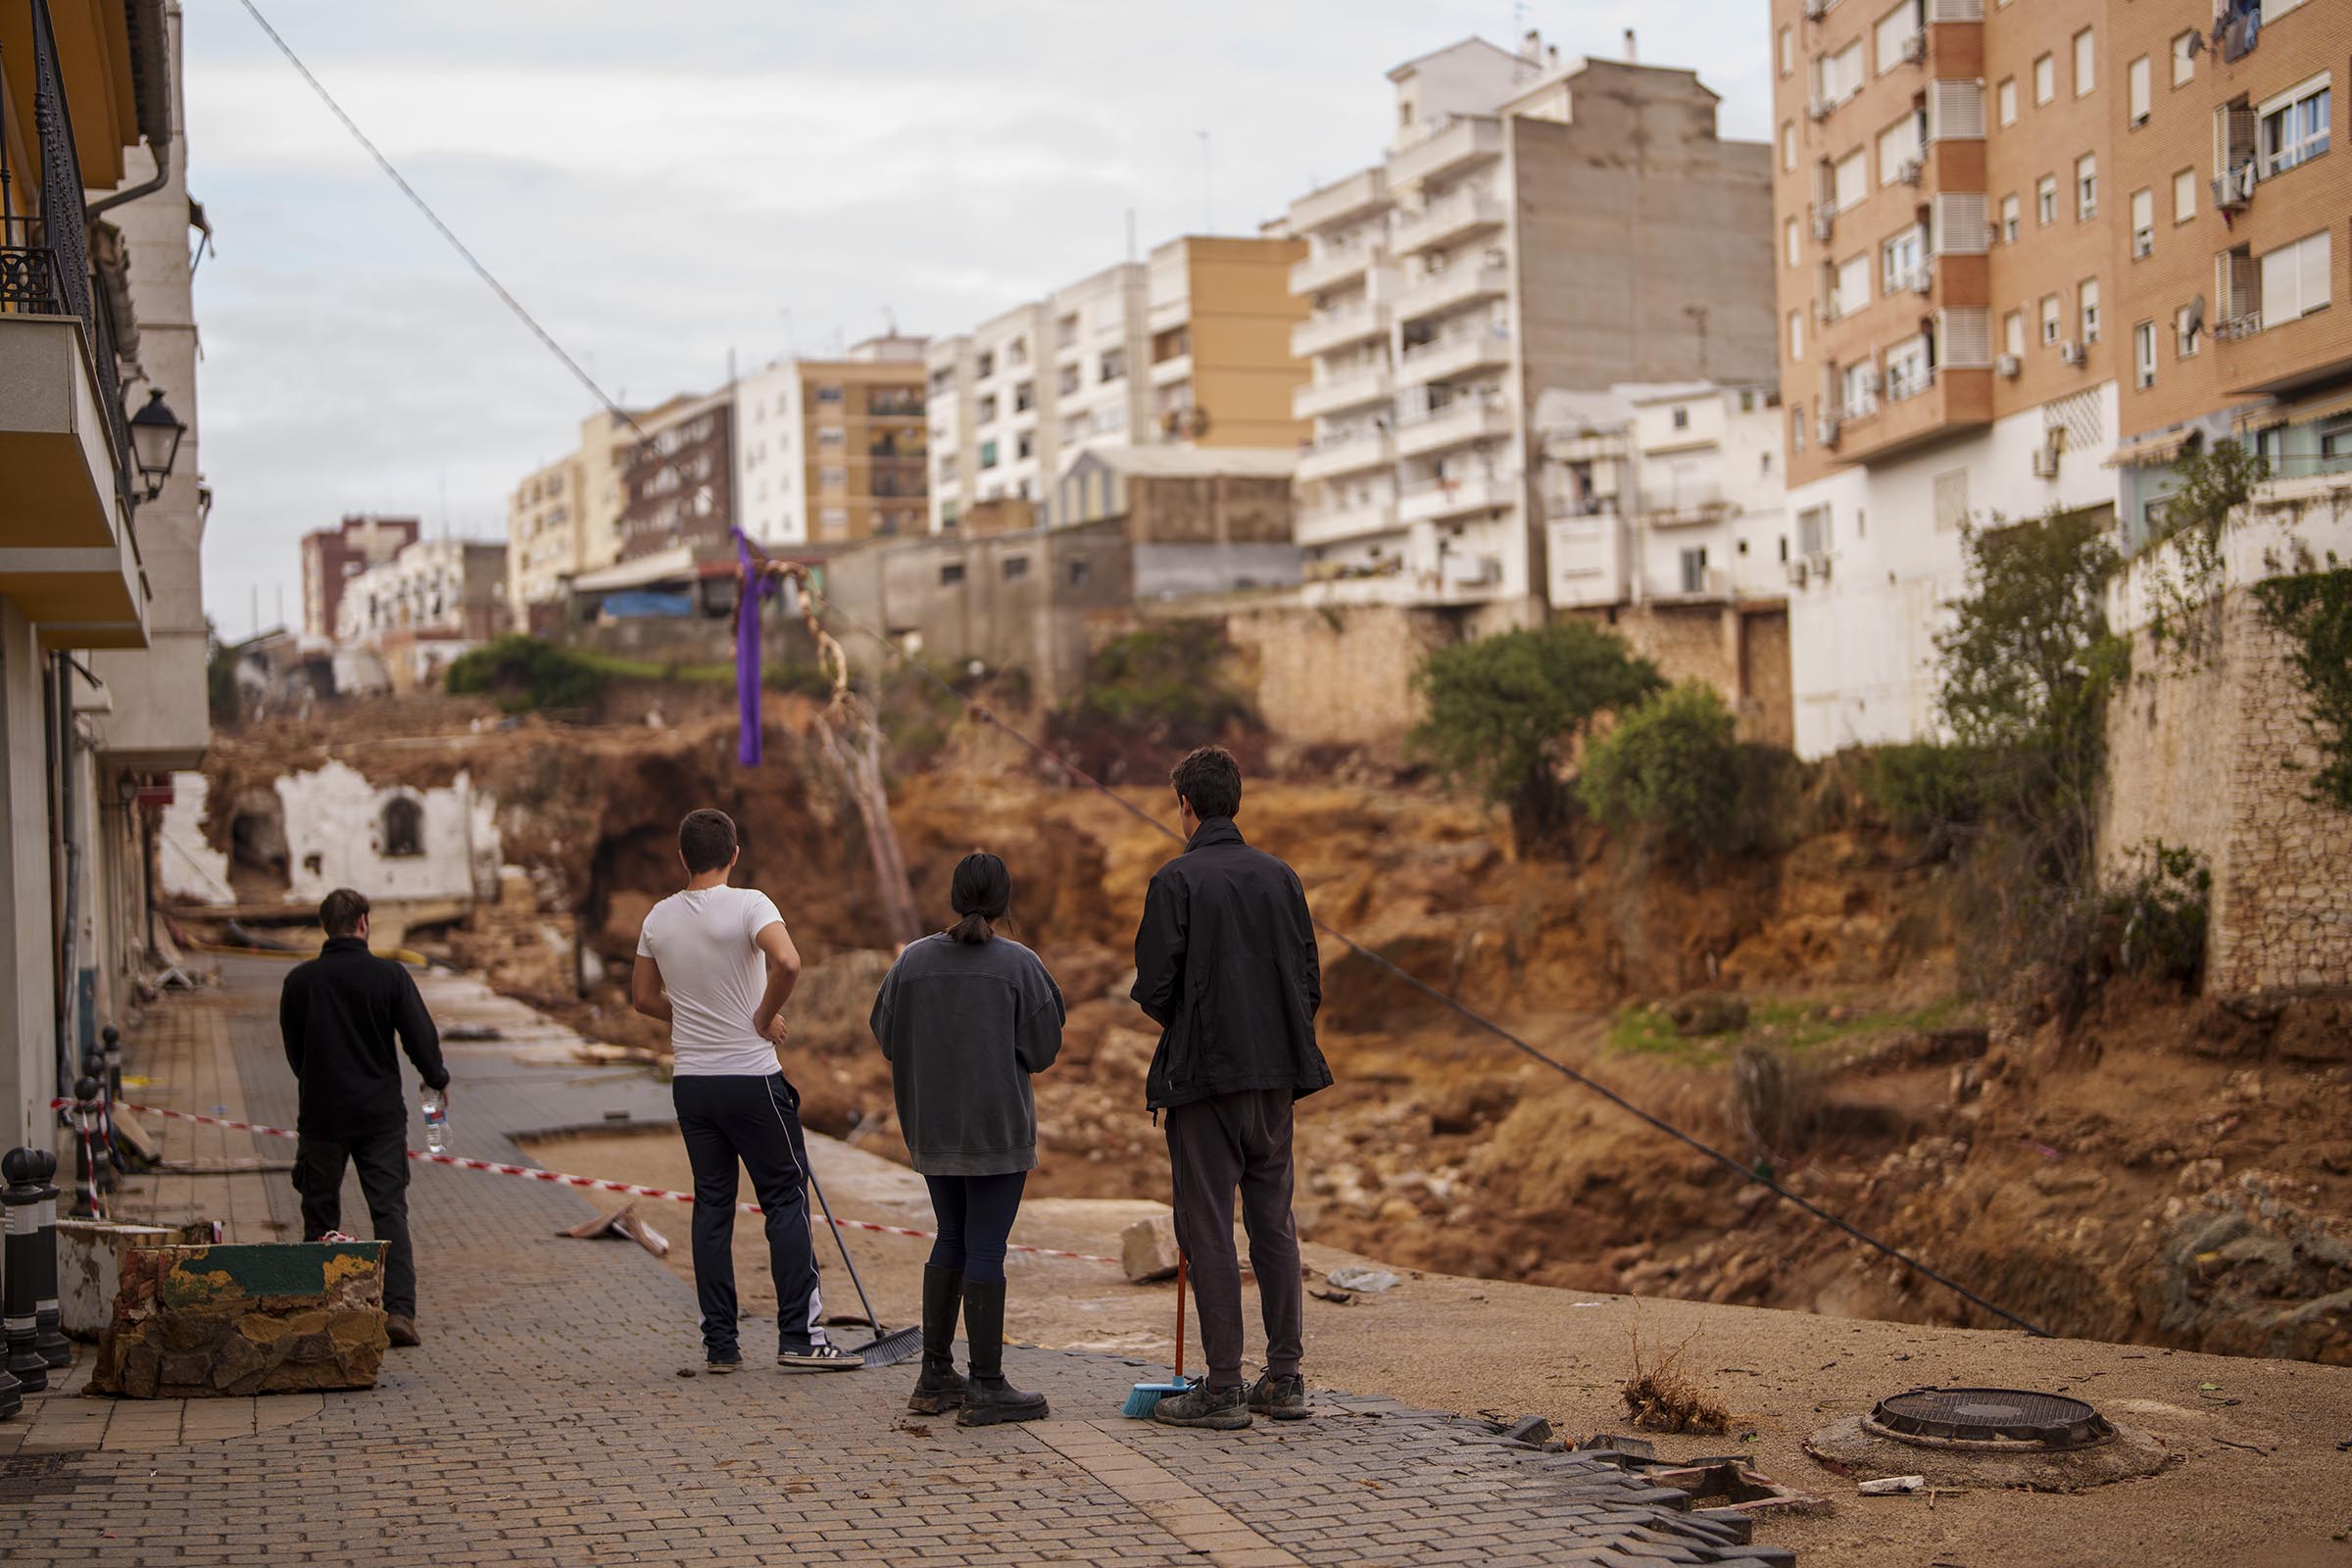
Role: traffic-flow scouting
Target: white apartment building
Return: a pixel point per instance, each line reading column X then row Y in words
column 818, row 456
column 1664, row 495
column 433, row 590
column 1533, row 227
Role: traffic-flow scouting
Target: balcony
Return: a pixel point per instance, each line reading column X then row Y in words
column 1589, row 558
column 1470, row 141
column 1341, row 265
column 68, row 555
column 1916, row 409
column 1433, row 499
column 1457, row 354
column 1360, row 193
column 1449, row 218
column 1350, row 452
column 1326, row 330
column 1451, row 289
column 1328, row 525
column 1458, row 424
column 1175, row 368
column 1351, row 389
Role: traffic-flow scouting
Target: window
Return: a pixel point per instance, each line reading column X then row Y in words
column 1851, row 289
column 1910, row 370
column 832, row 435
column 2187, row 332
column 2143, row 355
column 2045, row 79
column 2005, row 98
column 2049, row 319
column 1813, row 531
column 2295, row 280
column 988, row 453
column 2085, row 64
column 1066, row 329
column 1899, row 259
column 2087, row 307
column 833, row 478
column 1849, row 180
column 2185, row 195
column 2045, row 200
column 988, row 409
column 1860, row 385
column 1951, row 499
column 2141, row 78
column 1015, row 568
column 1024, row 397
column 2009, row 211
column 986, row 365
column 2013, row 333
column 1682, row 418
column 404, row 828
column 1787, row 50
column 951, row 574
column 1792, row 244
column 828, row 394
column 2293, row 126
column 1115, row 364
column 1024, row 445
column 1694, row 570
column 2143, row 224
column 2184, row 59
column 2087, row 188
column 1838, row 77
column 1899, row 144
column 1071, row 377
column 1796, row 334
column 833, row 521
column 1788, row 146
column 1892, row 36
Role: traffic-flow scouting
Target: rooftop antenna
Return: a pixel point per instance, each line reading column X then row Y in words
column 1631, row 57
column 1208, row 186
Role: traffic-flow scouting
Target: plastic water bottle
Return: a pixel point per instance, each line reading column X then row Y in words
column 436, row 1122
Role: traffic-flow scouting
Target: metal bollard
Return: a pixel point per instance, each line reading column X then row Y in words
column 22, row 1197
column 105, row 1157
column 48, row 1328
column 83, row 1118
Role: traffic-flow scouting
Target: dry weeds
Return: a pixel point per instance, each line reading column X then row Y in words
column 1666, row 1398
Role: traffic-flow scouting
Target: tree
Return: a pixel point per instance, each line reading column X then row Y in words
column 1505, row 713
column 221, row 678
column 1674, row 767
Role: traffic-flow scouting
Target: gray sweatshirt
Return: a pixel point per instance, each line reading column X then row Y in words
column 963, row 1025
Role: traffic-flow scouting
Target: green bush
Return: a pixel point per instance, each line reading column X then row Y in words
column 524, row 674
column 1674, row 767
column 1505, row 713
column 2315, row 610
column 1930, row 792
column 2154, row 919
column 1164, row 677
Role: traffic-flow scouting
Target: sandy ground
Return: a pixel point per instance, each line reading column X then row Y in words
column 2264, row 1469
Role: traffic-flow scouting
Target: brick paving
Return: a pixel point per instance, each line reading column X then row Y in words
column 546, row 1420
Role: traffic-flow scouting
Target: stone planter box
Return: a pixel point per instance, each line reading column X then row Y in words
column 281, row 1317
column 89, row 1269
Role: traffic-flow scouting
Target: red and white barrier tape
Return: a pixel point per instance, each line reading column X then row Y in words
column 592, row 1183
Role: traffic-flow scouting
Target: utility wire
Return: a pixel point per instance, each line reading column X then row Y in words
column 1037, row 748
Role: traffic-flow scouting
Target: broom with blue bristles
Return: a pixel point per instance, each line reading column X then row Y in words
column 1144, row 1397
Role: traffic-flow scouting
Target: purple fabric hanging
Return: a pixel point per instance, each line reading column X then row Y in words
column 755, row 588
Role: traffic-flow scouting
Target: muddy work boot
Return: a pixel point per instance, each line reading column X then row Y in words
column 1279, row 1399
column 401, row 1330
column 940, row 1388
column 986, row 1398
column 1218, row 1409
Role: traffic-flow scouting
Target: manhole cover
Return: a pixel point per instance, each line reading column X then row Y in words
column 1990, row 1415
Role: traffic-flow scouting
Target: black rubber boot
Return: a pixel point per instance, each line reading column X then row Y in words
column 941, row 1387
column 988, row 1399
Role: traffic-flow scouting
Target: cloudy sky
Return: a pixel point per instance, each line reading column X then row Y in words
column 666, row 185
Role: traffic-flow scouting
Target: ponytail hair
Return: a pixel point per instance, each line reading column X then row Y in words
column 981, row 893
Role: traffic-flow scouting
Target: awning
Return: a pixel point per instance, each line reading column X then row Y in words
column 2322, row 406
column 671, row 564
column 2150, row 450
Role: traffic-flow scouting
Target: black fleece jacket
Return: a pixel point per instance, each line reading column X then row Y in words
column 338, row 1014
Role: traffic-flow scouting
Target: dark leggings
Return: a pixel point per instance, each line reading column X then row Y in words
column 976, row 1217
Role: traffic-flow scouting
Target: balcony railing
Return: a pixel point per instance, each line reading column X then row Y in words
column 45, row 259
column 1334, row 266
column 1347, row 390
column 1462, row 213
column 1453, row 287
column 1331, row 330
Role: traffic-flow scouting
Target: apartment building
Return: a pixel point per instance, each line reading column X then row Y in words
column 332, row 557
column 1189, row 348
column 545, row 523
column 426, row 605
column 677, row 474
column 1533, row 226
column 830, row 452
column 2231, row 242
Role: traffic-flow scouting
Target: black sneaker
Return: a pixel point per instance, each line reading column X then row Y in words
column 819, row 1358
column 721, row 1364
column 1220, row 1409
column 1280, row 1399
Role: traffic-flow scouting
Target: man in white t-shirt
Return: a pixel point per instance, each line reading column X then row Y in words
column 715, row 963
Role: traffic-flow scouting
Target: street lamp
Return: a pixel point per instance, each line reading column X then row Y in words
column 155, row 442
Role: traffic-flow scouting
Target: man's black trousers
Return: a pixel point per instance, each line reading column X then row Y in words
column 757, row 1120
column 1214, row 1146
column 382, row 1162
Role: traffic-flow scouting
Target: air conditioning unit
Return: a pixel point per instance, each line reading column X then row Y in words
column 1825, row 430
column 2236, row 187
column 1915, row 47
column 1820, row 105
column 2045, row 462
column 2143, row 244
column 1911, row 170
column 1824, row 220
column 1817, row 565
column 1815, row 10
column 1796, row 575
column 1922, row 278
column 2008, row 365
column 2070, row 352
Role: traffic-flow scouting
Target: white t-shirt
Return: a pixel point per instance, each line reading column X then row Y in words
column 702, row 940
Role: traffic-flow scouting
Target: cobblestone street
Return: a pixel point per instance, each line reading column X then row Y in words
column 547, row 1421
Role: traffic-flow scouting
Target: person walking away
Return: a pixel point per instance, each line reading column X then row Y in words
column 1226, row 965
column 339, row 1015
column 716, row 964
column 965, row 1018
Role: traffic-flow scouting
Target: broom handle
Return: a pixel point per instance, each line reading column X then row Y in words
column 840, row 1242
column 1179, row 1260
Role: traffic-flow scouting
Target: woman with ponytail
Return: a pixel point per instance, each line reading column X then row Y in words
column 964, row 1018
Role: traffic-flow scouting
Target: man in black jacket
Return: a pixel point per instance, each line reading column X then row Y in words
column 339, row 1013
column 1226, row 965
